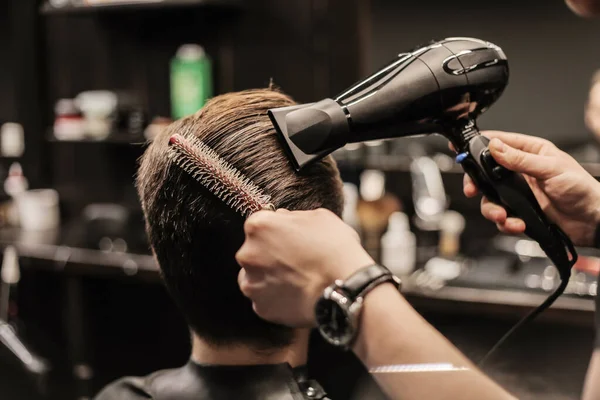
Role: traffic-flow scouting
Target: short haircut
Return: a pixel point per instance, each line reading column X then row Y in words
column 195, row 236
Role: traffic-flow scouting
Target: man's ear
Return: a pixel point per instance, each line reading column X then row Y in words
column 585, row 8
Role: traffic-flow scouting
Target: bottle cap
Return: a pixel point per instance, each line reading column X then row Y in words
column 16, row 182
column 452, row 222
column 398, row 222
column 350, row 201
column 10, row 273
column 190, row 52
column 372, row 184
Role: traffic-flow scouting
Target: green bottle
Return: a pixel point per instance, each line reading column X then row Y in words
column 191, row 80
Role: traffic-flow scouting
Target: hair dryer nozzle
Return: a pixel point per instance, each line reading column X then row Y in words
column 309, row 132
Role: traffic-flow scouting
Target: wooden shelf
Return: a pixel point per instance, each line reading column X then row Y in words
column 82, row 6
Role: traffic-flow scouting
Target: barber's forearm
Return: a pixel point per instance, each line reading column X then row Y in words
column 591, row 389
column 393, row 333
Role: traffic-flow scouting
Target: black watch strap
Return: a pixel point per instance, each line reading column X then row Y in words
column 365, row 279
column 596, row 243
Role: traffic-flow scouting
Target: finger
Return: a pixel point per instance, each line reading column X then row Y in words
column 259, row 222
column 512, row 226
column 251, row 282
column 530, row 144
column 469, row 187
column 249, row 256
column 242, row 256
column 515, row 225
column 493, row 212
column 242, row 281
column 244, row 284
column 263, row 310
column 451, row 147
column 539, row 167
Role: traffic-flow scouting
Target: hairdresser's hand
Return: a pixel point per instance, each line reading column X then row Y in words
column 567, row 193
column 289, row 258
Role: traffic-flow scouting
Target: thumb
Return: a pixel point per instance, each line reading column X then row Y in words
column 537, row 166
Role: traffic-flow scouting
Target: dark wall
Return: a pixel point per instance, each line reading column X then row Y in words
column 7, row 111
column 21, row 96
column 552, row 55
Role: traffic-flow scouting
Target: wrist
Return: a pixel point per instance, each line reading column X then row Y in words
column 376, row 302
column 338, row 311
column 348, row 264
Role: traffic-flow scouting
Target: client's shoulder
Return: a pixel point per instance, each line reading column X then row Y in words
column 134, row 388
column 128, row 388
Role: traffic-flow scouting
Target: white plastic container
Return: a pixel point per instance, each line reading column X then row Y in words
column 38, row 210
column 372, row 185
column 12, row 140
column 399, row 246
column 97, row 107
column 350, row 215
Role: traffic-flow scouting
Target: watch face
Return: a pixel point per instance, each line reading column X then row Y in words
column 333, row 320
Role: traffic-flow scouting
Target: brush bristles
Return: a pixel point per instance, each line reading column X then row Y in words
column 217, row 175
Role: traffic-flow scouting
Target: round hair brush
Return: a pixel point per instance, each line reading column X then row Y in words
column 222, row 179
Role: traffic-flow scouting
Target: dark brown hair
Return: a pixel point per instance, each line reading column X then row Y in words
column 195, row 236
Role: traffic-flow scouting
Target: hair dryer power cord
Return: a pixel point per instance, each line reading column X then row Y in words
column 528, row 318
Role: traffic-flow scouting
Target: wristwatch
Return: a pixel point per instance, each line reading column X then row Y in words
column 338, row 310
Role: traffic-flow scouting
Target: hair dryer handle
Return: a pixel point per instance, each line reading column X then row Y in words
column 510, row 190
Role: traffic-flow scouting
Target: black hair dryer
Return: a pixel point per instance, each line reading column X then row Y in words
column 438, row 88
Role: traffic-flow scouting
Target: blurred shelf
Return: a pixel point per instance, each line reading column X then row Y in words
column 121, row 139
column 391, row 163
column 401, row 163
column 516, row 298
column 82, row 6
column 45, row 246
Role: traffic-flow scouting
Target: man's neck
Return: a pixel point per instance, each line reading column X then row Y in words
column 294, row 354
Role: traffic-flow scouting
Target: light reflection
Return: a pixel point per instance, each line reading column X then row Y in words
column 411, row 368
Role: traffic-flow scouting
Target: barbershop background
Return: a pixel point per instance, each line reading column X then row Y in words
column 85, row 84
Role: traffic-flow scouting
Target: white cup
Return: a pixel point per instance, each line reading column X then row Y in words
column 38, row 210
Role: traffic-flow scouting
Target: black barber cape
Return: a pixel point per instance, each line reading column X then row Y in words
column 216, row 382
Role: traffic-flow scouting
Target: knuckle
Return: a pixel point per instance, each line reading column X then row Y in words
column 257, row 222
column 246, row 256
column 547, row 144
column 261, row 310
column 248, row 289
column 517, row 157
column 241, row 255
column 245, row 288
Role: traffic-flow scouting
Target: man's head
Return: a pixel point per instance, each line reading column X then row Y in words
column 195, row 236
column 585, row 8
